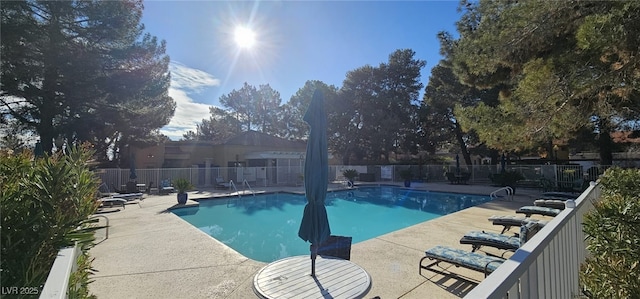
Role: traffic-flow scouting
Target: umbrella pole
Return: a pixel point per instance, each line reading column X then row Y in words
column 314, row 253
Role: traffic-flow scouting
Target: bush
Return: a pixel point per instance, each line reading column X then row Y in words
column 45, row 204
column 507, row 178
column 406, row 174
column 613, row 268
column 350, row 174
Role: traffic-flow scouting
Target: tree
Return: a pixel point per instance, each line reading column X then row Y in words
column 381, row 114
column 293, row 111
column 347, row 120
column 443, row 94
column 83, row 71
column 564, row 66
column 268, row 111
column 220, row 126
column 399, row 97
column 241, row 104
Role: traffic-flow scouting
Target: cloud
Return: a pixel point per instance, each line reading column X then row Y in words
column 186, row 78
column 186, row 81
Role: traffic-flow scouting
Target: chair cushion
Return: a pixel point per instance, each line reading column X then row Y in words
column 496, row 240
column 529, row 230
column 528, row 210
column 550, row 203
column 471, row 260
column 336, row 246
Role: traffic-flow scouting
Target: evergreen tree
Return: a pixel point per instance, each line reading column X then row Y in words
column 83, row 71
column 562, row 67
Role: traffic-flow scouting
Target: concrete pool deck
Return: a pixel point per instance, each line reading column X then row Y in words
column 151, row 253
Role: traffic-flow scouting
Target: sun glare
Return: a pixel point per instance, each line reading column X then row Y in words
column 245, row 38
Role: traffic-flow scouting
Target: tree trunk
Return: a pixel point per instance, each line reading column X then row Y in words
column 605, row 143
column 463, row 145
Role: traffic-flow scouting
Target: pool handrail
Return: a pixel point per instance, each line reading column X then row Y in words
column 248, row 186
column 233, row 185
column 507, row 189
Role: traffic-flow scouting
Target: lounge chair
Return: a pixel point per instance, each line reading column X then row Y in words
column 128, row 196
column 221, row 184
column 110, row 202
column 477, row 239
column 531, row 210
column 460, row 258
column 336, row 246
column 550, row 203
column 508, row 221
column 556, row 195
column 104, row 192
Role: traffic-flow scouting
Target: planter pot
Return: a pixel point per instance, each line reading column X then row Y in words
column 182, row 198
column 350, row 183
column 407, row 183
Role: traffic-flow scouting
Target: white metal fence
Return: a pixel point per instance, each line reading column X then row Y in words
column 556, row 175
column 548, row 265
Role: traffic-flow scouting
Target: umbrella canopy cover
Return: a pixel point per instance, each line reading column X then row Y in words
column 314, row 226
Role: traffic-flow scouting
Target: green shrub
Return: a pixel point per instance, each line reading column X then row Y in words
column 350, row 174
column 406, row 174
column 613, row 268
column 45, row 204
column 507, row 178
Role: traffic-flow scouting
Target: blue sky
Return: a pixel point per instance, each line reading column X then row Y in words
column 296, row 41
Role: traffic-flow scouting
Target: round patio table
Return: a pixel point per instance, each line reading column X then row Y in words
column 291, row 278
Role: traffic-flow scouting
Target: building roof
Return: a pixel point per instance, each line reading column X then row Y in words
column 254, row 138
column 626, row 137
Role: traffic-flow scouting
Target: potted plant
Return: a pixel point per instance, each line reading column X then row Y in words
column 182, row 185
column 350, row 175
column 406, row 175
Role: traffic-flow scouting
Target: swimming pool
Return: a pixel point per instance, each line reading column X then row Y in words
column 265, row 227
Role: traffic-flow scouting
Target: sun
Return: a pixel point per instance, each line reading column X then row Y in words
column 245, row 38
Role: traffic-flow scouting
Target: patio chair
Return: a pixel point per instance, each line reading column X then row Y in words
column 451, row 177
column 165, row 187
column 336, row 246
column 508, row 221
column 531, row 210
column 477, row 239
column 221, row 184
column 460, row 258
column 131, row 187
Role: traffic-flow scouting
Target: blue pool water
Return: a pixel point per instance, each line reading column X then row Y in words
column 265, row 227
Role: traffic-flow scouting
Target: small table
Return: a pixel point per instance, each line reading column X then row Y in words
column 141, row 187
column 291, row 278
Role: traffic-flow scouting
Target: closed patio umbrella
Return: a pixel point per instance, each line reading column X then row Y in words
column 314, row 226
column 132, row 167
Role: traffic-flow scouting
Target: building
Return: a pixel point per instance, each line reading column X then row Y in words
column 249, row 155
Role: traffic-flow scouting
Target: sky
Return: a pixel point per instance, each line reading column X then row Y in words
column 295, row 41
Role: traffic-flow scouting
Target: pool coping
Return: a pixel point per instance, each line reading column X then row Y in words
column 154, row 254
